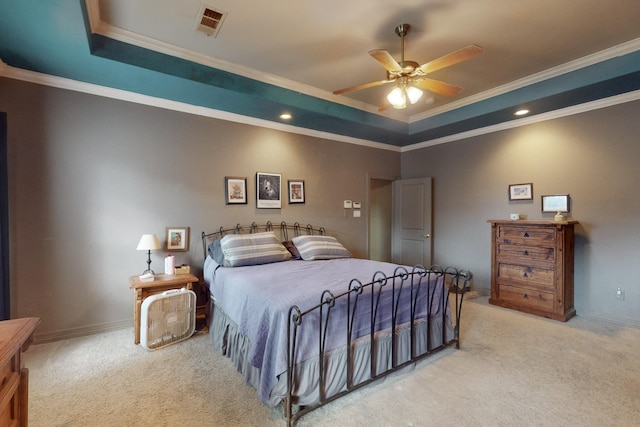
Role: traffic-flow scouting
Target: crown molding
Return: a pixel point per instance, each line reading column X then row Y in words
column 122, row 95
column 110, row 31
column 107, row 30
column 119, row 94
column 542, row 117
column 607, row 54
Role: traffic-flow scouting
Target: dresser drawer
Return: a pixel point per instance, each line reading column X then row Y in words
column 526, row 254
column 532, row 277
column 526, row 297
column 524, row 235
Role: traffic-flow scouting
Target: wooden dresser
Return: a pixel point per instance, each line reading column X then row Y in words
column 15, row 337
column 532, row 267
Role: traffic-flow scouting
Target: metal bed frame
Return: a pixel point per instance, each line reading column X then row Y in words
column 449, row 281
column 295, row 229
column 414, row 281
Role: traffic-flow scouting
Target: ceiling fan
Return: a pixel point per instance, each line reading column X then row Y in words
column 410, row 76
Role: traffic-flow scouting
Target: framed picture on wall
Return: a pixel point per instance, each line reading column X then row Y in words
column 521, row 191
column 235, row 190
column 268, row 190
column 296, row 191
column 177, row 239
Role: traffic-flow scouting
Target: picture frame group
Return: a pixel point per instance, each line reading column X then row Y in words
column 550, row 202
column 269, row 190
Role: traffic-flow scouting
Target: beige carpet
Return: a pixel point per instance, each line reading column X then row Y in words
column 513, row 370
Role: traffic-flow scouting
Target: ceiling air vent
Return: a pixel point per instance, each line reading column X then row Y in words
column 209, row 20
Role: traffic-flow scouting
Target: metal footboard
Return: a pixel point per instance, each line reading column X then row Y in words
column 426, row 290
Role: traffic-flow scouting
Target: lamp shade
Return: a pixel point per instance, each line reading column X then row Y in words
column 148, row 242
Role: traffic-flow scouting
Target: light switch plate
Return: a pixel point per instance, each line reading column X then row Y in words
column 356, row 214
column 347, row 204
column 356, row 205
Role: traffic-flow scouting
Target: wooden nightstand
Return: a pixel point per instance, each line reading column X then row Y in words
column 161, row 283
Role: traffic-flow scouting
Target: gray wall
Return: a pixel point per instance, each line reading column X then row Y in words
column 592, row 156
column 89, row 175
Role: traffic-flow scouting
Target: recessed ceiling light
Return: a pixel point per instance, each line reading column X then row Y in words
column 285, row 116
column 521, row 112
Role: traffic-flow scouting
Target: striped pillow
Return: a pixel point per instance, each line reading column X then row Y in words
column 251, row 249
column 320, row 247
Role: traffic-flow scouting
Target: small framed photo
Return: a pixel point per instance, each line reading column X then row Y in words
column 235, row 190
column 555, row 203
column 177, row 239
column 268, row 190
column 521, row 191
column 296, row 191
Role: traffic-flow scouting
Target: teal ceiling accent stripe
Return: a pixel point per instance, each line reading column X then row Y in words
column 581, row 95
column 583, row 78
column 54, row 38
column 273, row 96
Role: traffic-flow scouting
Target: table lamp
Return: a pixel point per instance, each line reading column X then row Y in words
column 148, row 242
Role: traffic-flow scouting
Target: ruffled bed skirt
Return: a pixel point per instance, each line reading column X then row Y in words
column 236, row 346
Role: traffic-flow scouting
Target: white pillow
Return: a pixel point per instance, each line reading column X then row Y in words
column 251, row 249
column 320, row 247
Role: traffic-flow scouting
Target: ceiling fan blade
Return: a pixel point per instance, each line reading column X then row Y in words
column 438, row 87
column 386, row 60
column 384, row 106
column 362, row 86
column 452, row 58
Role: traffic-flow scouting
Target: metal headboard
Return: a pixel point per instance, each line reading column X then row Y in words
column 282, row 230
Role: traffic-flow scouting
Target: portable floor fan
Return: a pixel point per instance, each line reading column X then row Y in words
column 167, row 318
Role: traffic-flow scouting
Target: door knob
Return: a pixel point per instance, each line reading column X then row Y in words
column 426, row 236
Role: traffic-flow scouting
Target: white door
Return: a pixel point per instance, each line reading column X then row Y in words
column 411, row 230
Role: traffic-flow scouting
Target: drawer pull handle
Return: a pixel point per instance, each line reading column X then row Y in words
column 525, row 234
column 526, row 296
column 524, row 275
column 526, row 253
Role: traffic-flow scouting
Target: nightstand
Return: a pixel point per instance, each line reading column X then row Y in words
column 161, row 283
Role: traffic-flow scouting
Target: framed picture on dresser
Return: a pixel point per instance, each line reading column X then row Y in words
column 555, row 203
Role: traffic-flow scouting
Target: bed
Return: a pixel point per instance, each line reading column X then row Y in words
column 306, row 323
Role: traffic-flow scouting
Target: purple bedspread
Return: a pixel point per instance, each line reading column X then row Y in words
column 258, row 298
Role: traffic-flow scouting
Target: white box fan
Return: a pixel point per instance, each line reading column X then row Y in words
column 167, row 318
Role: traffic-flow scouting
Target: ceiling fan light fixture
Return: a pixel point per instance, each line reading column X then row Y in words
column 399, row 96
column 414, row 94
